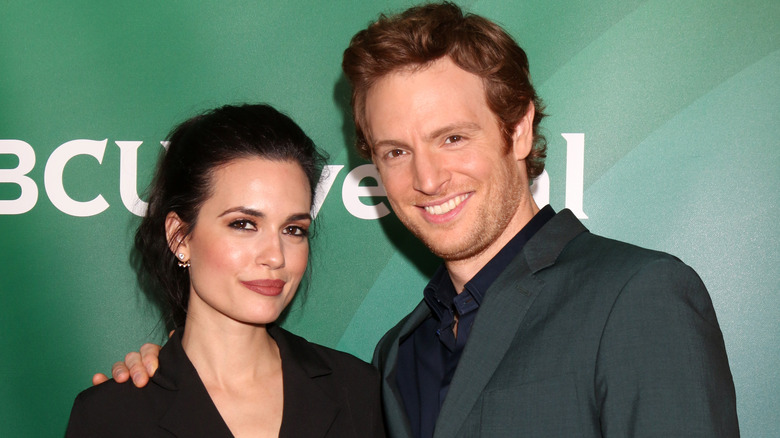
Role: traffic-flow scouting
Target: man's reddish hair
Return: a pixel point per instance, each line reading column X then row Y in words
column 423, row 34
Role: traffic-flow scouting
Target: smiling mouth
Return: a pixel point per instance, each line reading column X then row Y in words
column 446, row 207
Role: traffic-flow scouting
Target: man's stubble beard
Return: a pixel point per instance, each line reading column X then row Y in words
column 489, row 225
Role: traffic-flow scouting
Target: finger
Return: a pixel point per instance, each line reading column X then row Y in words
column 149, row 356
column 99, row 378
column 137, row 371
column 120, row 372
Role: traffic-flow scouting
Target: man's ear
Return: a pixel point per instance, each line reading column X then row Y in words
column 174, row 227
column 523, row 137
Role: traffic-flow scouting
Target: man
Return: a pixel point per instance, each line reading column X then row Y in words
column 533, row 326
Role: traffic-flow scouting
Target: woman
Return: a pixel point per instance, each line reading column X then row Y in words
column 226, row 237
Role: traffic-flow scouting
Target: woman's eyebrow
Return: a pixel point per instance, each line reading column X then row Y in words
column 259, row 214
column 245, row 210
column 300, row 217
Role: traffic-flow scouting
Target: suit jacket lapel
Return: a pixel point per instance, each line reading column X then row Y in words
column 191, row 411
column 500, row 317
column 386, row 359
column 308, row 409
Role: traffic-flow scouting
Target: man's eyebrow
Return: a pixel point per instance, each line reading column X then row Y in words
column 464, row 127
column 388, row 143
column 453, row 128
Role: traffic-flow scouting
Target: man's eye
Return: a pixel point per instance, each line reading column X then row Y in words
column 395, row 153
column 453, row 139
column 243, row 224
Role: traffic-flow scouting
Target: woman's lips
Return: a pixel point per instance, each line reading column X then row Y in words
column 269, row 288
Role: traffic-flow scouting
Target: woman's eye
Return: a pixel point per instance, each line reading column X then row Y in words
column 294, row 230
column 243, row 224
column 453, row 139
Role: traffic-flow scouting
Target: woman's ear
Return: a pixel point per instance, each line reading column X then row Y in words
column 523, row 137
column 174, row 227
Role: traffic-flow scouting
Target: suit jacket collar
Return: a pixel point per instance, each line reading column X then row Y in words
column 385, row 358
column 500, row 318
column 192, row 407
column 308, row 409
column 544, row 248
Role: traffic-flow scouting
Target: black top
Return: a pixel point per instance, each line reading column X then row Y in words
column 327, row 393
column 428, row 358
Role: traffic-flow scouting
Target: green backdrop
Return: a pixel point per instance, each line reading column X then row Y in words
column 669, row 109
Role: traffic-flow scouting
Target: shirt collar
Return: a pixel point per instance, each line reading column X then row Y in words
column 440, row 294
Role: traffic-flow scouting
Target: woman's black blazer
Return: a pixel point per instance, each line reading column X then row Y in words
column 327, row 393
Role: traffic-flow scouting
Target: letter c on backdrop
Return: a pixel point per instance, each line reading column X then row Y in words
column 52, row 177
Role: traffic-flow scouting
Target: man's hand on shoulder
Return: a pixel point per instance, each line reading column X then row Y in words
column 138, row 365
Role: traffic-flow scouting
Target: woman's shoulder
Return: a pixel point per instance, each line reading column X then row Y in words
column 112, row 406
column 310, row 352
column 345, row 380
column 112, row 393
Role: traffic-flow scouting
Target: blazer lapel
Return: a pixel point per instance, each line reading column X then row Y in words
column 191, row 412
column 386, row 359
column 499, row 318
column 308, row 409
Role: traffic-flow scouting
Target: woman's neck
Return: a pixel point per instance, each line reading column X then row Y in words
column 228, row 353
column 240, row 366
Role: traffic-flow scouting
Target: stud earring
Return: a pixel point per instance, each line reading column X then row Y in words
column 181, row 262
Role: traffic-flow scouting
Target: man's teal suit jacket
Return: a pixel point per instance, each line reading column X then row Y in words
column 582, row 336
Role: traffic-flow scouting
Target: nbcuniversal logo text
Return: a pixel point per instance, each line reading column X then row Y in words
column 352, row 192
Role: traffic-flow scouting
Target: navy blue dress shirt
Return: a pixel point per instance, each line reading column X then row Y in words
column 428, row 357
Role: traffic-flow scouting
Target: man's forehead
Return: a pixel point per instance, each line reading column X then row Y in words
column 437, row 90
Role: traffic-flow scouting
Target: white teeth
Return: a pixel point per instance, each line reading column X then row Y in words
column 446, row 207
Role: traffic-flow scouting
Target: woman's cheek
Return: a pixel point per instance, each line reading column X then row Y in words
column 220, row 254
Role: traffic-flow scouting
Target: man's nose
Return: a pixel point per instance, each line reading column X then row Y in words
column 430, row 173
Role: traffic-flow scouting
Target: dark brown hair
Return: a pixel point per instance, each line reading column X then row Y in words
column 423, row 34
column 184, row 181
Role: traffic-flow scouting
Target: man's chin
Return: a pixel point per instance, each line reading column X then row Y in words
column 440, row 241
column 453, row 253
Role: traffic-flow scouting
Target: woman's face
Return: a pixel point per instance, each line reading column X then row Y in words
column 249, row 247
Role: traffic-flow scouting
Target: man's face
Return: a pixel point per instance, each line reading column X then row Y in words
column 449, row 175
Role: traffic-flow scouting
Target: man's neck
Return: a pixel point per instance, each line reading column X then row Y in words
column 461, row 271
